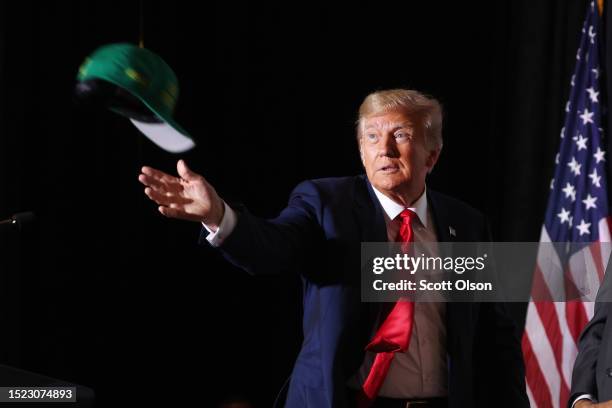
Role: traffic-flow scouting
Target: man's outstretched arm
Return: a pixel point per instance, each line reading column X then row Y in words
column 257, row 245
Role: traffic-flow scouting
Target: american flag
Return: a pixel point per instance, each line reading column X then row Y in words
column 577, row 213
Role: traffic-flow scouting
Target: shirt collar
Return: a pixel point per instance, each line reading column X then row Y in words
column 393, row 209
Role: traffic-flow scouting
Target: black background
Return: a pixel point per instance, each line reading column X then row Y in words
column 104, row 291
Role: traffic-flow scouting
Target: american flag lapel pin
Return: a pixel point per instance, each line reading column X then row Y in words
column 452, row 231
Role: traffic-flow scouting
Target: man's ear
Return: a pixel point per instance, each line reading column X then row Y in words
column 432, row 159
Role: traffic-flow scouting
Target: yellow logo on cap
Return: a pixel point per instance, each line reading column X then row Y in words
column 135, row 76
column 168, row 95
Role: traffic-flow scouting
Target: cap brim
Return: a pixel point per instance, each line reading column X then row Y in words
column 165, row 136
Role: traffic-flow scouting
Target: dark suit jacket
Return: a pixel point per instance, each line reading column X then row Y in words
column 318, row 236
column 593, row 367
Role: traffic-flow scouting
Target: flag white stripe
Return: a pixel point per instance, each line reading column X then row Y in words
column 543, row 352
column 589, row 308
column 584, row 274
column 569, row 347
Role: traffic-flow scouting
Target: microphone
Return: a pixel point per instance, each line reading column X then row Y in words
column 18, row 220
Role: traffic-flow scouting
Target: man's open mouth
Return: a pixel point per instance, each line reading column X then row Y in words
column 391, row 168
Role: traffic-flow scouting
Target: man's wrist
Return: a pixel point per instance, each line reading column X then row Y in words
column 584, row 401
column 224, row 228
column 213, row 224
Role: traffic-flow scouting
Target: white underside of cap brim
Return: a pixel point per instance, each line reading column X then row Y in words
column 165, row 136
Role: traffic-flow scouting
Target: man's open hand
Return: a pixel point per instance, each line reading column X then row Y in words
column 187, row 197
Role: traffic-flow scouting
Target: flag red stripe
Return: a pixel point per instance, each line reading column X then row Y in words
column 595, row 249
column 576, row 317
column 550, row 320
column 534, row 376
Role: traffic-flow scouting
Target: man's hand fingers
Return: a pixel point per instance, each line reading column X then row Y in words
column 159, row 198
column 187, row 197
column 160, row 175
column 150, row 181
column 166, row 198
column 172, row 212
column 185, row 172
column 177, row 213
column 172, row 185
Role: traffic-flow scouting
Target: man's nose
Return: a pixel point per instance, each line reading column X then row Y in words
column 388, row 147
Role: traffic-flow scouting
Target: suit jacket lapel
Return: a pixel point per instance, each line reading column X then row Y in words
column 445, row 230
column 370, row 221
column 459, row 316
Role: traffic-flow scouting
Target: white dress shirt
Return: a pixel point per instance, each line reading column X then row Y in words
column 420, row 372
column 226, row 226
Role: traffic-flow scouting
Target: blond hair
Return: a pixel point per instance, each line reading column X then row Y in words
column 413, row 103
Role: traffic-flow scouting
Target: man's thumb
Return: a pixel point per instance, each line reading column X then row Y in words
column 184, row 171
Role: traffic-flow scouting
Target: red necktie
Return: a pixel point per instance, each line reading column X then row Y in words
column 394, row 333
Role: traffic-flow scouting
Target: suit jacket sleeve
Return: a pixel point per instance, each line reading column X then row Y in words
column 262, row 246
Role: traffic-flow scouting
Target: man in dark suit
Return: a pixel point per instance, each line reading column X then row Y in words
column 459, row 355
column 592, row 374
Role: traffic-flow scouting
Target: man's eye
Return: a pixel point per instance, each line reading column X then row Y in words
column 372, row 136
column 402, row 136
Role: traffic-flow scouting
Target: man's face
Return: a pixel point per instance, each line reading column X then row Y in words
column 395, row 154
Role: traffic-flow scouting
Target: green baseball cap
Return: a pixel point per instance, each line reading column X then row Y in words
column 139, row 85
